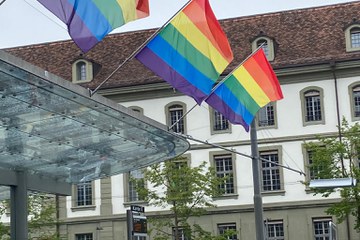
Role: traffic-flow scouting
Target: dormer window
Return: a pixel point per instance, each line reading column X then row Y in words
column 266, row 44
column 355, row 37
column 352, row 38
column 82, row 71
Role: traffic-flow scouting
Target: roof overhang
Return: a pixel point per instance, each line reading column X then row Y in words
column 52, row 129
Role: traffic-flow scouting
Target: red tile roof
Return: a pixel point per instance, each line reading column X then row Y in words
column 301, row 37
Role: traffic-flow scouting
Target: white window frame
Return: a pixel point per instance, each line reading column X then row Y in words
column 272, row 225
column 324, row 235
column 213, row 120
column 272, row 168
column 182, row 123
column 214, row 156
column 353, row 102
column 264, row 112
column 222, row 227
column 83, row 186
column 84, row 236
column 304, row 93
column 130, row 188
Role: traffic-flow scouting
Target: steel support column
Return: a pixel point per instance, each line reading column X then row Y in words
column 19, row 208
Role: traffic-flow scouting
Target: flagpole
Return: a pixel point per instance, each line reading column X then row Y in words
column 133, row 54
column 258, row 207
column 217, row 85
column 227, row 76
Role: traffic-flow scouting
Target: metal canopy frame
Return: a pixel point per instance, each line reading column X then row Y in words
column 52, row 134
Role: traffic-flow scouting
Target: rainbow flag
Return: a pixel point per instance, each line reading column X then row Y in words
column 190, row 52
column 89, row 21
column 251, row 86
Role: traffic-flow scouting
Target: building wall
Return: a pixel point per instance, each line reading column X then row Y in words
column 295, row 205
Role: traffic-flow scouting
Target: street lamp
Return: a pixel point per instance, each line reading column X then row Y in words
column 332, row 183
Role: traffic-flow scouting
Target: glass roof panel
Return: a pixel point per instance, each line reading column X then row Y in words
column 50, row 127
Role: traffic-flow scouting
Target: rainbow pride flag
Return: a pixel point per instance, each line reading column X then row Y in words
column 89, row 21
column 251, row 86
column 190, row 52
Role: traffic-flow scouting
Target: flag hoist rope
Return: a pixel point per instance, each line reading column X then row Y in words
column 132, row 55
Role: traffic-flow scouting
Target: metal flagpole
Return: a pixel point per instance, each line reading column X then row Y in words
column 132, row 55
column 258, row 208
column 217, row 85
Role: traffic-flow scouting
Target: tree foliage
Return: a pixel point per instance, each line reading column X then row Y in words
column 339, row 157
column 42, row 217
column 186, row 191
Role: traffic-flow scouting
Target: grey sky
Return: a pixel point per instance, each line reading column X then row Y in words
column 24, row 22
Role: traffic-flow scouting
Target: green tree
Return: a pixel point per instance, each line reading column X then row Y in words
column 186, row 191
column 42, row 217
column 339, row 157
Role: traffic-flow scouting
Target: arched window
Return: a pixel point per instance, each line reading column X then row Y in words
column 352, row 38
column 82, row 71
column 354, row 92
column 267, row 45
column 312, row 105
column 175, row 119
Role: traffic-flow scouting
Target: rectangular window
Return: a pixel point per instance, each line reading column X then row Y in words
column 270, row 173
column 84, row 236
column 313, row 106
column 321, row 228
column 181, row 234
column 313, row 171
column 135, row 176
column 84, row 194
column 220, row 122
column 225, row 228
column 224, row 169
column 275, row 230
column 176, row 120
column 139, row 238
column 356, row 96
column 266, row 116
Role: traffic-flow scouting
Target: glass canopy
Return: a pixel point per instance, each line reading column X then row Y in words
column 50, row 127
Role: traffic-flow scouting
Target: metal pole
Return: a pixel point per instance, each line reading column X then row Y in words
column 19, row 208
column 129, row 219
column 133, row 54
column 258, row 208
column 12, row 213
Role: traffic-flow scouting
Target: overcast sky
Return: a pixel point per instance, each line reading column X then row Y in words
column 24, row 22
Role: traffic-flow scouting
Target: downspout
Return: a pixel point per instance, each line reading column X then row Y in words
column 333, row 68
